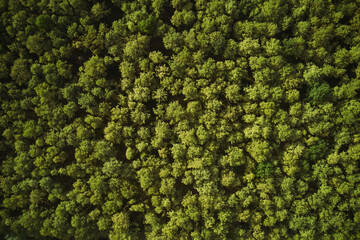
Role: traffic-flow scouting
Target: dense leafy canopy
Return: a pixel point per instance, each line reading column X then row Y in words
column 179, row 119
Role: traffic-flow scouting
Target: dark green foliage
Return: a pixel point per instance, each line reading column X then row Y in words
column 148, row 25
column 320, row 93
column 44, row 22
column 319, row 150
column 179, row 119
column 263, row 169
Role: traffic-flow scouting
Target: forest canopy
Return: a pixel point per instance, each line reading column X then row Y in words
column 180, row 119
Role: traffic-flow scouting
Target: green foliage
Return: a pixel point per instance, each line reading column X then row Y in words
column 263, row 169
column 44, row 22
column 148, row 25
column 319, row 150
column 320, row 93
column 179, row 119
